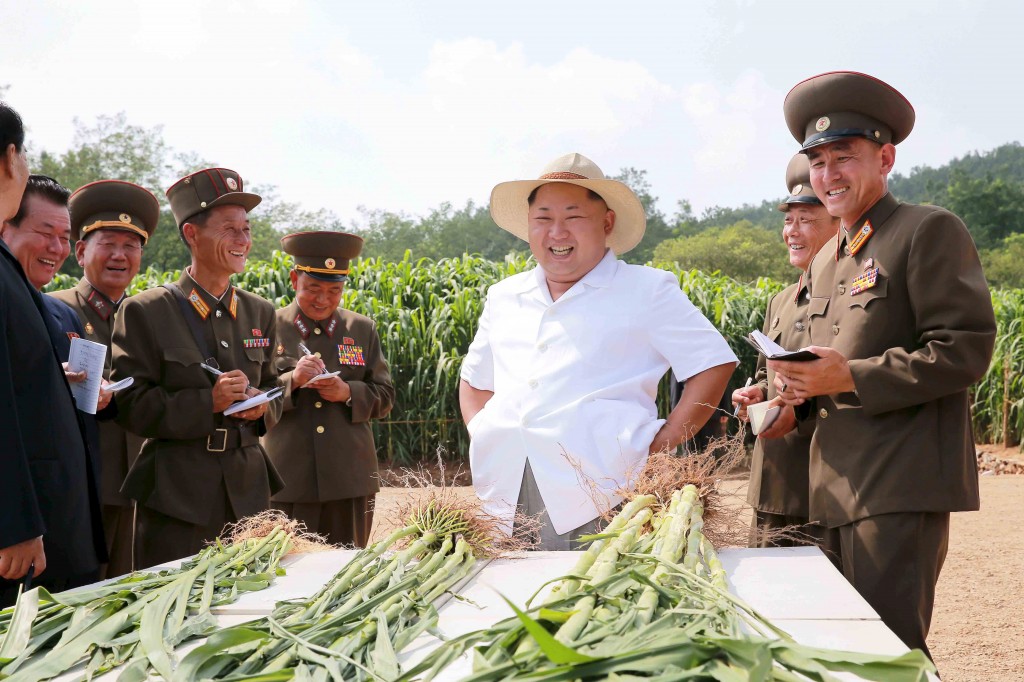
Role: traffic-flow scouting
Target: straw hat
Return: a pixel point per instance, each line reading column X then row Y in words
column 510, row 210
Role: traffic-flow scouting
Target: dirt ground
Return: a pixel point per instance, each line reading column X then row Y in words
column 978, row 629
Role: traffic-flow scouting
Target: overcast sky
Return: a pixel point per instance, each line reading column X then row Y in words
column 404, row 105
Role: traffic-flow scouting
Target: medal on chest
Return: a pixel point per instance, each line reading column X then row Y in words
column 351, row 354
column 864, row 281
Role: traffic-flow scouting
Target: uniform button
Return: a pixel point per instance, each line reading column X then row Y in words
column 318, row 404
column 842, row 288
column 775, row 323
column 532, row 383
column 799, row 326
column 317, row 354
column 224, row 343
column 823, row 413
column 319, row 429
column 523, row 421
column 846, row 250
column 835, row 329
column 542, row 347
column 218, row 313
column 317, row 331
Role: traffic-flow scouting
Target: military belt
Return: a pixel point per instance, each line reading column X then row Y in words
column 230, row 438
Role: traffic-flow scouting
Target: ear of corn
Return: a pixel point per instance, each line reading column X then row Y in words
column 653, row 603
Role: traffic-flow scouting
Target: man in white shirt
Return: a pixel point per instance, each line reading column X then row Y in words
column 558, row 387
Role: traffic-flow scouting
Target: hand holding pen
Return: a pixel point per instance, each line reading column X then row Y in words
column 743, row 397
column 308, row 353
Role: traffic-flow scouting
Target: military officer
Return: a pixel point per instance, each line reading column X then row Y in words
column 111, row 221
column 323, row 446
column 778, row 470
column 199, row 468
column 901, row 316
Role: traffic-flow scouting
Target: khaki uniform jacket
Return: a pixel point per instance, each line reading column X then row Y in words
column 916, row 340
column 118, row 448
column 171, row 402
column 779, row 466
column 324, row 450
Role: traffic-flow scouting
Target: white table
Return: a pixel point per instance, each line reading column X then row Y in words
column 798, row 589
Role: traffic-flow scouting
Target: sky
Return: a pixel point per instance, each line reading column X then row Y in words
column 401, row 106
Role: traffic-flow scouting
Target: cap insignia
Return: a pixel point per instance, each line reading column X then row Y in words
column 124, row 218
column 822, row 124
column 797, row 189
column 230, row 182
column 329, row 263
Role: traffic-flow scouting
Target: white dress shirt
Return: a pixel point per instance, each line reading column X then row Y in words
column 575, row 381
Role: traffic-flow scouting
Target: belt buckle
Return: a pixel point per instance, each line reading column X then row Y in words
column 223, row 442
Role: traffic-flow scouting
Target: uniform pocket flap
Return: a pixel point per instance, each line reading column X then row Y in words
column 879, row 290
column 817, row 306
column 184, row 356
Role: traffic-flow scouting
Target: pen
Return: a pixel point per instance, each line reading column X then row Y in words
column 736, row 412
column 306, row 351
column 216, row 372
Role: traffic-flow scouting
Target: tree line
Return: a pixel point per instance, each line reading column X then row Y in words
column 986, row 189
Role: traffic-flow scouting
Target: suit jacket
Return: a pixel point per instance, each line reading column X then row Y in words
column 324, row 450
column 44, row 463
column 779, row 466
column 916, row 339
column 118, row 448
column 171, row 401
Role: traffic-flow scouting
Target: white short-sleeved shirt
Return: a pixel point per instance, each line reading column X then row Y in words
column 575, row 381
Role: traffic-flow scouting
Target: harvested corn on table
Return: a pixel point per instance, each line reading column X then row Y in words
column 797, row 589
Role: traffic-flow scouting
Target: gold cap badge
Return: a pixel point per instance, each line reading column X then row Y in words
column 822, row 124
column 230, row 182
column 329, row 263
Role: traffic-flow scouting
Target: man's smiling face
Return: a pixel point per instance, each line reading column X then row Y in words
column 110, row 259
column 42, row 241
column 849, row 175
column 568, row 230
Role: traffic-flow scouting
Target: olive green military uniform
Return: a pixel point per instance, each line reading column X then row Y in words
column 901, row 294
column 778, row 488
column 198, row 470
column 118, row 206
column 118, row 448
column 324, row 450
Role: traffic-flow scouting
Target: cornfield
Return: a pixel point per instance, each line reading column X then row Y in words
column 426, row 313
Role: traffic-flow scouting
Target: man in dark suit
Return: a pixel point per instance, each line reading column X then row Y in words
column 48, row 506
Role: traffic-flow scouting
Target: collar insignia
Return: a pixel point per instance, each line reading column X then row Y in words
column 302, row 327
column 199, row 304
column 99, row 304
column 861, row 238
